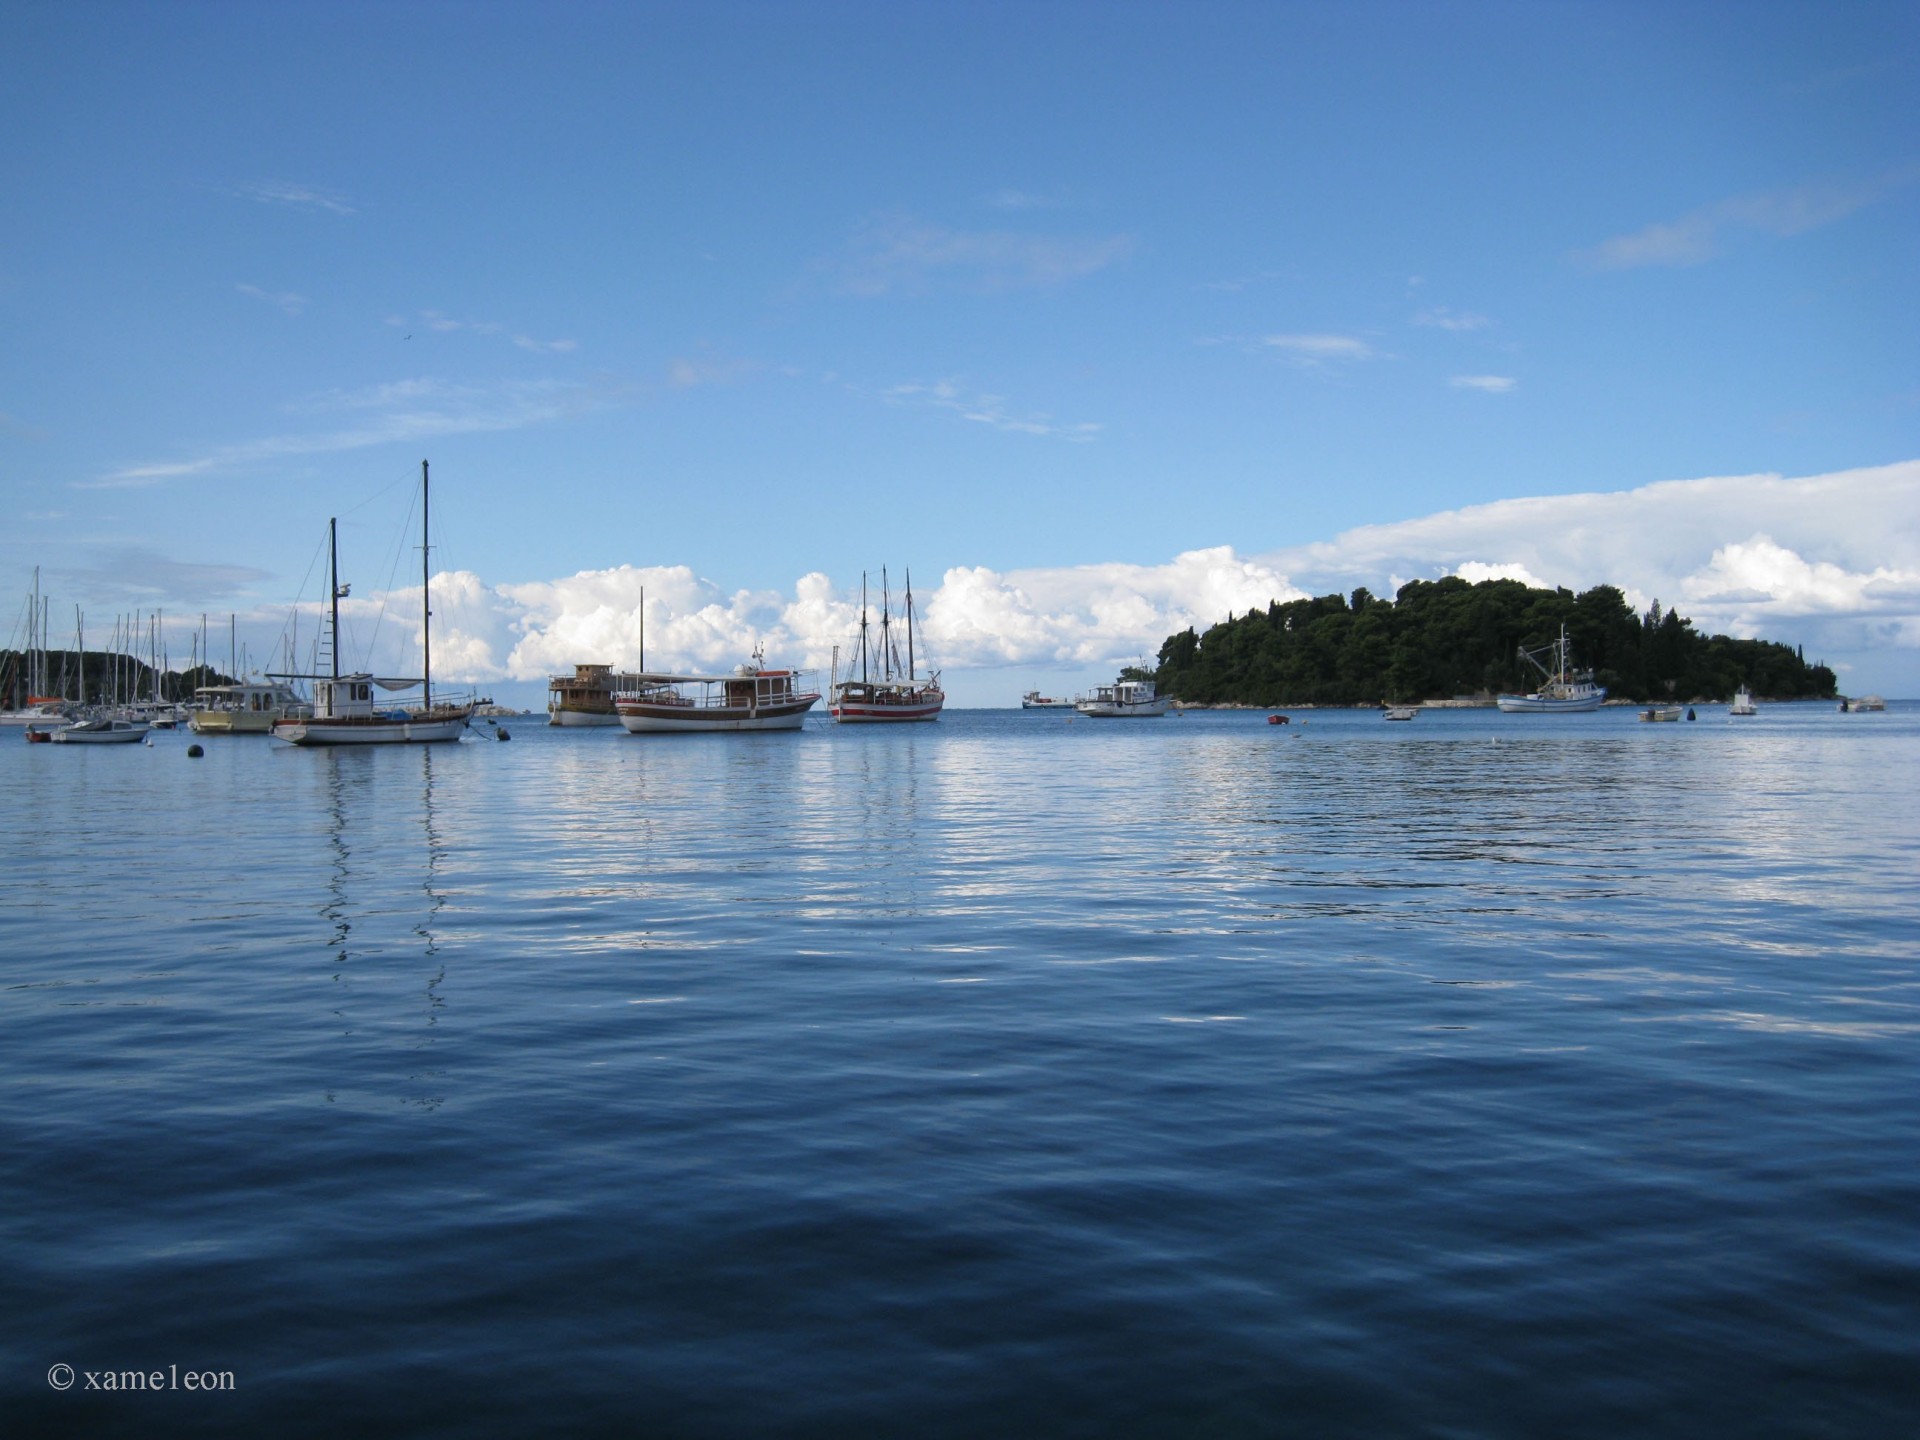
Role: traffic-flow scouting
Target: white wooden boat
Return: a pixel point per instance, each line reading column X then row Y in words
column 751, row 698
column 1123, row 700
column 1034, row 700
column 1662, row 712
column 886, row 691
column 1565, row 691
column 1402, row 712
column 346, row 710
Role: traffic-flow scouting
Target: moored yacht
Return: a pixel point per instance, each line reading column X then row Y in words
column 584, row 698
column 1124, row 699
column 345, row 708
column 751, row 698
column 885, row 690
column 245, row 708
column 102, row 730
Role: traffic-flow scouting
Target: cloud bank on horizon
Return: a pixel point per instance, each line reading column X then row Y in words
column 1829, row 561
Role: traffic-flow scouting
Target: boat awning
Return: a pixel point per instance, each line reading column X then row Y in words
column 383, row 681
column 642, row 679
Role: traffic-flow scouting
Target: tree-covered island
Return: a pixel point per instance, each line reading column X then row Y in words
column 1439, row 639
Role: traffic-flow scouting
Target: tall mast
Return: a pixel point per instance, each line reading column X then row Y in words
column 333, row 592
column 643, row 629
column 863, row 627
column 886, row 628
column 426, row 600
column 909, row 627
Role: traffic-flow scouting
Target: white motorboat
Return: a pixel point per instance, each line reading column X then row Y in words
column 103, row 730
column 1743, row 703
column 1034, row 700
column 1402, row 712
column 1123, row 700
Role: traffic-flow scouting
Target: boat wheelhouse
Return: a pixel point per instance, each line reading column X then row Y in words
column 751, row 698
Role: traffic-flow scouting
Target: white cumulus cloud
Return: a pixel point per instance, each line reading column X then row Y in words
column 1829, row 561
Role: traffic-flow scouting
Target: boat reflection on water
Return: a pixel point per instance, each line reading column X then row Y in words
column 383, row 894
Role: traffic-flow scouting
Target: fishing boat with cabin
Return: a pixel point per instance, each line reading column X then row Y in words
column 1565, row 691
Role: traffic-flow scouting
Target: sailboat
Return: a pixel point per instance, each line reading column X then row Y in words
column 885, row 690
column 345, row 711
column 41, row 711
column 1564, row 693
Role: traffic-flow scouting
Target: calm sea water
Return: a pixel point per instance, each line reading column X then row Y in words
column 1016, row 1075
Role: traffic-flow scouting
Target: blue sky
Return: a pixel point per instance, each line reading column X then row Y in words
column 1104, row 319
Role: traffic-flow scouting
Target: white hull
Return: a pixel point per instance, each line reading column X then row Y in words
column 1136, row 710
column 378, row 732
column 121, row 734
column 582, row 719
column 1402, row 712
column 1549, row 704
column 653, row 722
